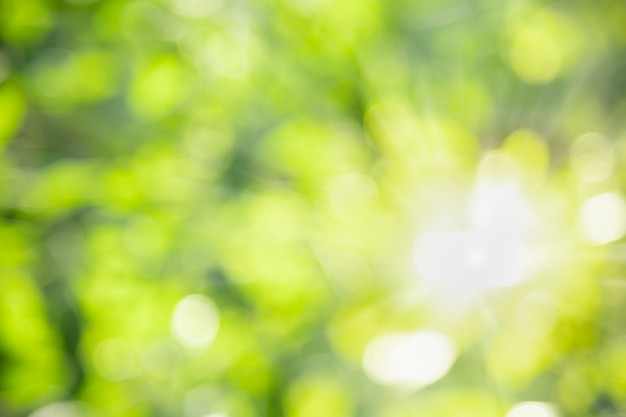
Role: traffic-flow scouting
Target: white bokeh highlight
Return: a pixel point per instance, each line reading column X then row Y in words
column 61, row 409
column 499, row 207
column 532, row 409
column 471, row 260
column 493, row 250
column 602, row 219
column 409, row 360
column 195, row 321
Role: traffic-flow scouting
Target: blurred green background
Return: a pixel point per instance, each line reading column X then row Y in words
column 213, row 208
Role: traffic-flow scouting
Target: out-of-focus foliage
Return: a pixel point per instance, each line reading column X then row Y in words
column 211, row 208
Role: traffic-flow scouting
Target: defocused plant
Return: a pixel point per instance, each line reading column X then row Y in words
column 312, row 208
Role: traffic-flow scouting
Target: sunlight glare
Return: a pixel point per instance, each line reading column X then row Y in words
column 493, row 251
column 471, row 260
column 499, row 207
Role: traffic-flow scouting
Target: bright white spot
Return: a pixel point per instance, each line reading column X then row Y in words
column 477, row 256
column 532, row 409
column 409, row 360
column 500, row 207
column 602, row 219
column 494, row 250
column 60, row 409
column 115, row 360
column 196, row 8
column 195, row 321
column 471, row 260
